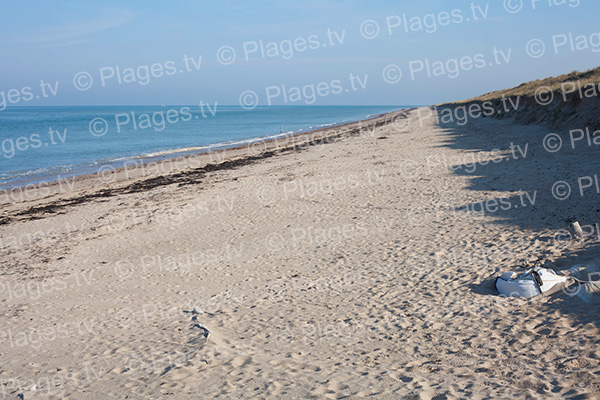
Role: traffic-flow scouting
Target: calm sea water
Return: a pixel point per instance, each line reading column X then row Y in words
column 39, row 143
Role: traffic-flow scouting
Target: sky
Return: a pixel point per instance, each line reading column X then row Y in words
column 312, row 52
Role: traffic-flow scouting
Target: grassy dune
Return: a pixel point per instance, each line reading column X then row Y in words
column 566, row 101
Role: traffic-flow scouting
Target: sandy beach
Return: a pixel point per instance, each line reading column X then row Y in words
column 352, row 262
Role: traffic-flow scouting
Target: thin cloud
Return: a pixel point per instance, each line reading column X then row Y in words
column 61, row 44
column 231, row 6
column 80, row 29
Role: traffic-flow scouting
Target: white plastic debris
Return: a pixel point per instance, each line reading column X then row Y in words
column 198, row 310
column 577, row 229
column 533, row 282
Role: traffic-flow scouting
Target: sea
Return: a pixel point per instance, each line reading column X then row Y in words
column 42, row 144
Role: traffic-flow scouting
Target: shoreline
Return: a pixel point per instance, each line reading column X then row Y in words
column 48, row 175
column 148, row 173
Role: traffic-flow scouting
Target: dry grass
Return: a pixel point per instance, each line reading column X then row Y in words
column 568, row 110
column 528, row 89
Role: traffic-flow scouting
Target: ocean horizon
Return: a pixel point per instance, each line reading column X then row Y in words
column 43, row 144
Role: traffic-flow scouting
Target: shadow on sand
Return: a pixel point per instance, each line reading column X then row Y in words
column 525, row 184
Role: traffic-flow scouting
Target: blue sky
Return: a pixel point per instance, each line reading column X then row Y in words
column 55, row 40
